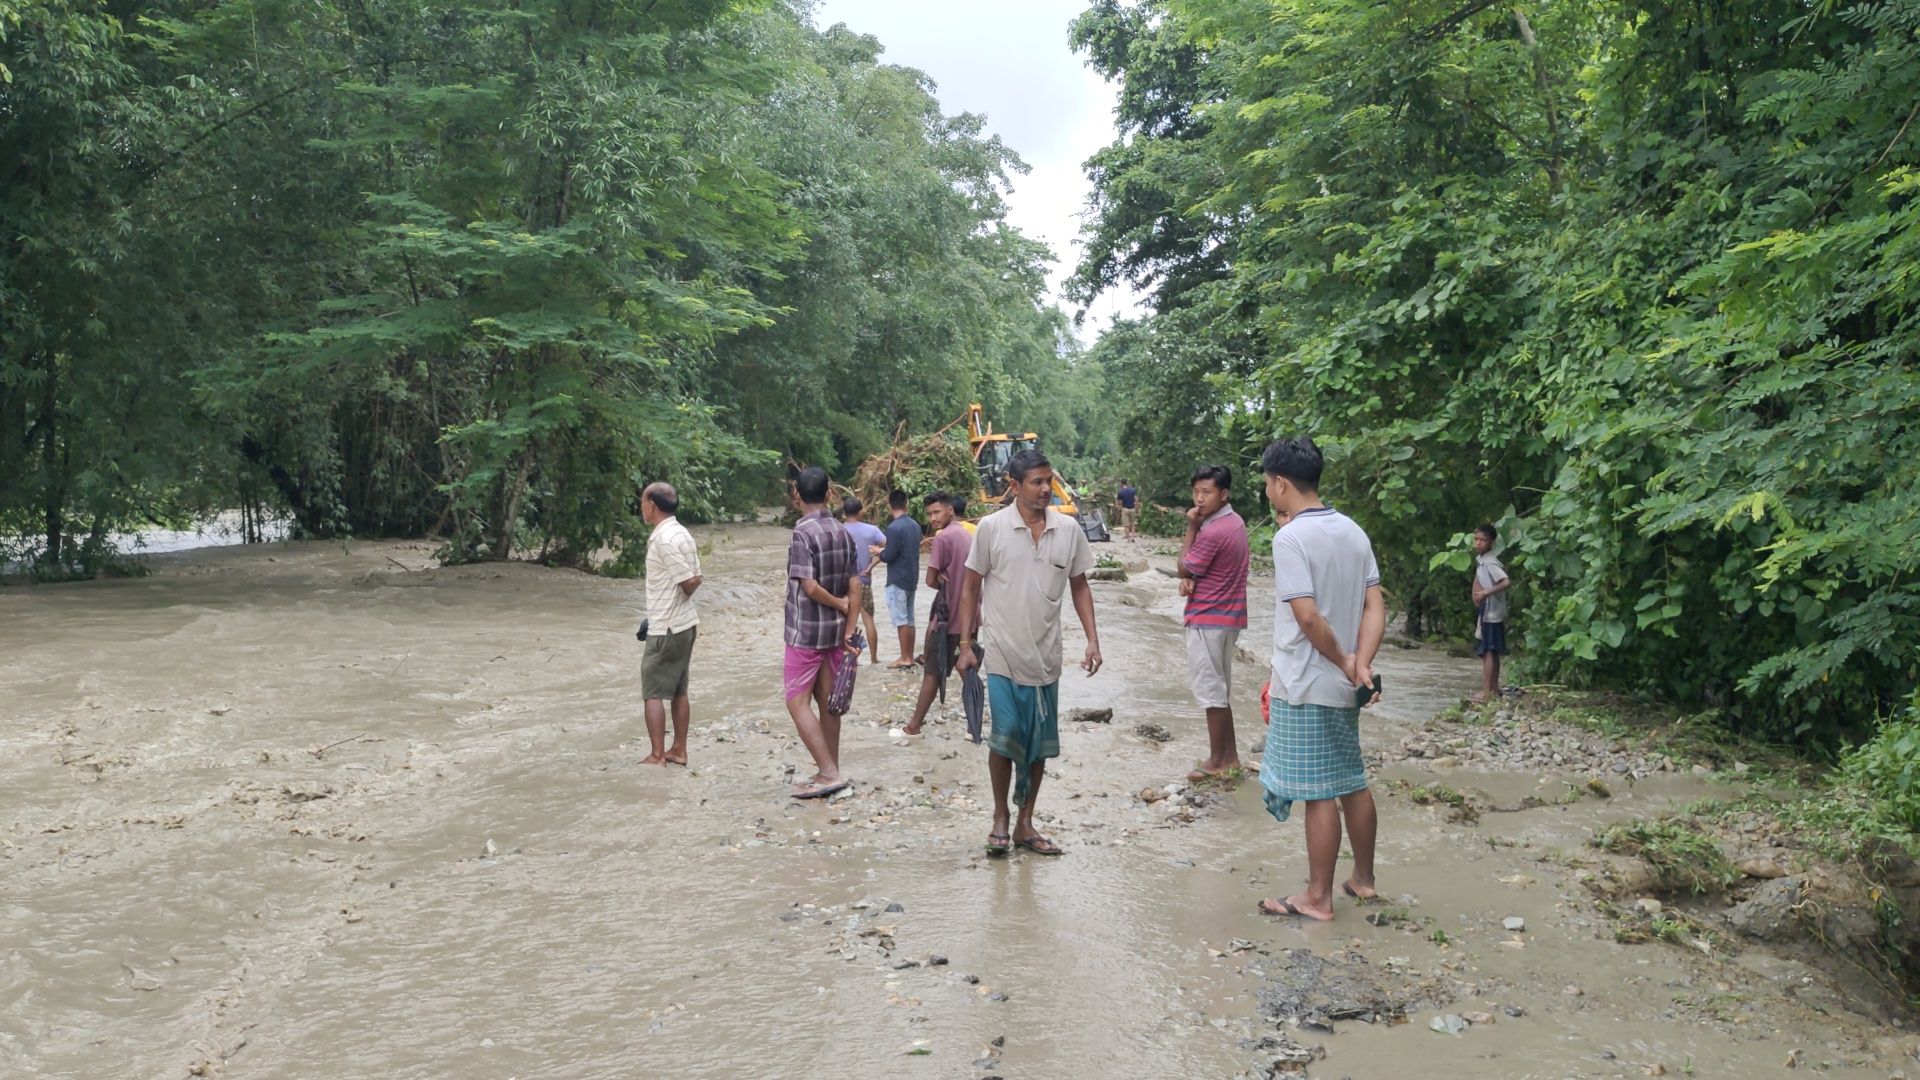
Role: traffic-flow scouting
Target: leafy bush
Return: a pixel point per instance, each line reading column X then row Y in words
column 1884, row 767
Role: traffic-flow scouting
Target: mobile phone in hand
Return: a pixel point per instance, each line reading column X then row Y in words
column 1364, row 694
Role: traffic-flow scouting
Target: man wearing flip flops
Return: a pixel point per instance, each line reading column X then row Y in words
column 822, row 619
column 1024, row 562
column 1329, row 619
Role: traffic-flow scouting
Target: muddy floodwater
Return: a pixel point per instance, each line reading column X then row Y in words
column 314, row 810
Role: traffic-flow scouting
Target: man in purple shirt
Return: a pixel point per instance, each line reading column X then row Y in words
column 947, row 572
column 1213, row 578
column 865, row 536
column 822, row 617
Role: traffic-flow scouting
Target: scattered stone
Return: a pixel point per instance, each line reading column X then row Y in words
column 1153, row 732
column 902, row 965
column 1091, row 716
column 1654, row 1068
column 1286, row 1053
column 970, row 980
column 1000, row 1040
column 985, row 1063
column 1769, row 913
column 1514, row 923
column 896, row 909
column 1765, row 869
column 1448, row 1024
column 1446, row 761
column 1700, row 770
column 1647, row 905
column 996, row 996
column 1478, row 1019
column 1573, row 991
column 1514, row 1010
column 936, row 960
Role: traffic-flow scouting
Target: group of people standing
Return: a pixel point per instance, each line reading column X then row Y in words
column 1003, row 588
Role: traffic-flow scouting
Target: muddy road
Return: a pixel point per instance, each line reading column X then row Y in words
column 307, row 811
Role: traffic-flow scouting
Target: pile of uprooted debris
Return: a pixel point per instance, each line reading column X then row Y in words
column 916, row 466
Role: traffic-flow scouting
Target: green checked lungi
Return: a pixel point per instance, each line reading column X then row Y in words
column 1026, row 728
column 1313, row 752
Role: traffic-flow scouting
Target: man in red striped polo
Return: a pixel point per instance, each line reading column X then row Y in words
column 1213, row 578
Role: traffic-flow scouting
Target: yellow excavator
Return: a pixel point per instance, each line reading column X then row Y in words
column 991, row 452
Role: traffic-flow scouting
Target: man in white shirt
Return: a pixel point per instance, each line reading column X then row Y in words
column 673, row 573
column 1329, row 619
column 1024, row 561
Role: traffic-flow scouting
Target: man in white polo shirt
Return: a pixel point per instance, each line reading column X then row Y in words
column 673, row 573
column 1024, row 561
column 1329, row 619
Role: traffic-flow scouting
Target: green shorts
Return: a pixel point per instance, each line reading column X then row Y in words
column 664, row 667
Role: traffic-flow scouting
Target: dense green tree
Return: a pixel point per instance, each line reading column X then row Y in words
column 1632, row 278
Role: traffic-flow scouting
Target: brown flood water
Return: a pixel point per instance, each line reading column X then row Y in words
column 302, row 811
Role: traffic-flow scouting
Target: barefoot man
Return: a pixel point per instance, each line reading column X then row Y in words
column 1329, row 618
column 822, row 617
column 1024, row 561
column 673, row 573
column 1213, row 578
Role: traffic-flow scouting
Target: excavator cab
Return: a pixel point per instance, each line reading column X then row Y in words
column 992, row 451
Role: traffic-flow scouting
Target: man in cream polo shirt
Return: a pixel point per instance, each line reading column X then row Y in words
column 673, row 573
column 1024, row 562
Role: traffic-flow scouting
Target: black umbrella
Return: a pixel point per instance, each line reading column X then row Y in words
column 937, row 645
column 973, row 698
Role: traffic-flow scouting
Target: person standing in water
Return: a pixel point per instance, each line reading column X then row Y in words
column 866, row 536
column 1490, row 584
column 822, row 617
column 901, row 553
column 947, row 573
column 1329, row 619
column 1026, row 559
column 1213, row 578
column 673, row 574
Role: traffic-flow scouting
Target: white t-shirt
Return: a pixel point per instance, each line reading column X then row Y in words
column 1489, row 574
column 1024, row 586
column 672, row 557
column 1321, row 553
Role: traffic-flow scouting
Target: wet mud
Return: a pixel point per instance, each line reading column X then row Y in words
column 311, row 810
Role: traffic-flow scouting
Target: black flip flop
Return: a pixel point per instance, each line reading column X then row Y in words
column 1040, row 845
column 1347, row 887
column 1000, row 850
column 1286, row 909
column 819, row 791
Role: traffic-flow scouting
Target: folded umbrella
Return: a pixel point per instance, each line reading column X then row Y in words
column 973, row 698
column 937, row 640
column 840, row 698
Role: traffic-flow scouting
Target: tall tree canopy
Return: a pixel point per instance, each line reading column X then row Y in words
column 1633, row 277
column 479, row 270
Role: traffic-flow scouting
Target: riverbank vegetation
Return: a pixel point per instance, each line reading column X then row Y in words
column 477, row 271
column 1633, row 279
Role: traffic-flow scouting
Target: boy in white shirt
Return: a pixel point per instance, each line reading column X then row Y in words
column 1490, row 584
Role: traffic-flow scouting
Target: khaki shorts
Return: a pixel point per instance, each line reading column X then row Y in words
column 1210, row 664
column 1129, row 518
column 665, row 667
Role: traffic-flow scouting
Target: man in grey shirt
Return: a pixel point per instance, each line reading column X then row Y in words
column 1329, row 619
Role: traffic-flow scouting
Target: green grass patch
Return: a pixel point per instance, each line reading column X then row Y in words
column 1682, row 857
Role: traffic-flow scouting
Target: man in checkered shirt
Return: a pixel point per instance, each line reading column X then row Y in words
column 822, row 616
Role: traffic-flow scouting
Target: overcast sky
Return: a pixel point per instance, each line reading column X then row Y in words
column 1009, row 60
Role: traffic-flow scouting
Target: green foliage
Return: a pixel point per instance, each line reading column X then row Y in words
column 1631, row 280
column 1682, row 857
column 1884, row 769
column 481, row 272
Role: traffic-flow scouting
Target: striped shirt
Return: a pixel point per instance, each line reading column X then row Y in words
column 821, row 551
column 672, row 557
column 1218, row 562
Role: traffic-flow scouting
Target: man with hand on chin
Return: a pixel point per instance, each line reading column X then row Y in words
column 1329, row 619
column 1024, row 562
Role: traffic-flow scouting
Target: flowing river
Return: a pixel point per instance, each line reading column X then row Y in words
column 324, row 810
